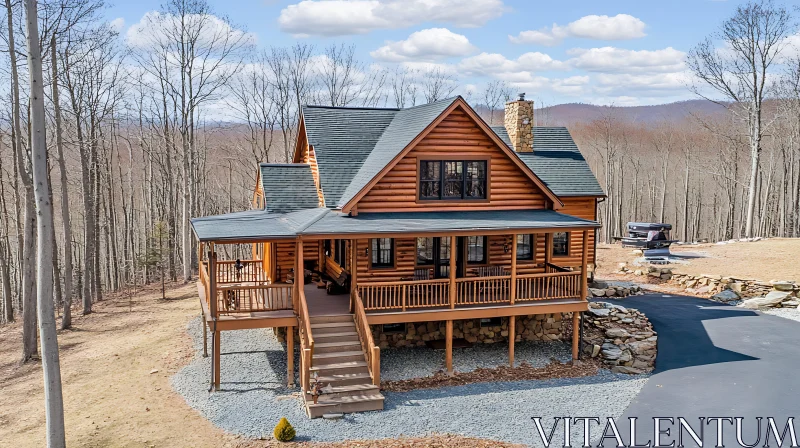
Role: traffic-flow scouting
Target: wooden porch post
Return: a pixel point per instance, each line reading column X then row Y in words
column 585, row 266
column 575, row 334
column 299, row 273
column 513, row 273
column 453, row 251
column 353, row 272
column 290, row 355
column 512, row 335
column 548, row 247
column 448, row 360
column 216, row 349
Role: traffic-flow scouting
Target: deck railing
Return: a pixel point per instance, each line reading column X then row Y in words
column 483, row 290
column 405, row 294
column 372, row 351
column 249, row 271
column 559, row 285
column 470, row 291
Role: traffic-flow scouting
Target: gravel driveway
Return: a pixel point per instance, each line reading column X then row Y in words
column 255, row 397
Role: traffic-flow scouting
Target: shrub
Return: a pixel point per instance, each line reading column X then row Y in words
column 284, row 432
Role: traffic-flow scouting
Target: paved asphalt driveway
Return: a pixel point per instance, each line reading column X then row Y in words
column 716, row 360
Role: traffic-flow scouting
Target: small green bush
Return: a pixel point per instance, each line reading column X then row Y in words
column 284, row 432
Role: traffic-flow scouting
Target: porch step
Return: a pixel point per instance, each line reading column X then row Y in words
column 339, row 346
column 332, row 327
column 346, row 379
column 338, row 368
column 351, row 389
column 344, row 404
column 331, row 319
column 338, row 357
column 344, row 336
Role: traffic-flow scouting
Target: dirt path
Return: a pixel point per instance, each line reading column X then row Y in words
column 111, row 398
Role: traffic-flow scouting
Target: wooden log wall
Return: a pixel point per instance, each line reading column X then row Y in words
column 580, row 207
column 457, row 135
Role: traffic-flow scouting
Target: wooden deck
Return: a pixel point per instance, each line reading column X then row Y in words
column 320, row 303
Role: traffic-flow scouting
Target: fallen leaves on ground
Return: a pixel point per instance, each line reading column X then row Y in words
column 524, row 371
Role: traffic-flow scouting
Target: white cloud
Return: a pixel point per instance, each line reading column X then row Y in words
column 117, row 24
column 155, row 27
column 619, row 27
column 497, row 64
column 660, row 84
column 617, row 60
column 425, row 45
column 346, row 17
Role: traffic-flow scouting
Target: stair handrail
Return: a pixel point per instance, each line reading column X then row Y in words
column 306, row 341
column 372, row 351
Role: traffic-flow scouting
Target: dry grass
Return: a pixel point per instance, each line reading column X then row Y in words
column 775, row 258
column 111, row 398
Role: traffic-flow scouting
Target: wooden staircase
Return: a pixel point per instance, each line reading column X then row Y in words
column 339, row 361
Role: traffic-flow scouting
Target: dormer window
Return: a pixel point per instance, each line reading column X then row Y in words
column 452, row 179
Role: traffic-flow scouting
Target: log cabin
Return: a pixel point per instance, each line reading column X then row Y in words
column 417, row 220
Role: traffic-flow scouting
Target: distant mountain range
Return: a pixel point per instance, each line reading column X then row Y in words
column 567, row 114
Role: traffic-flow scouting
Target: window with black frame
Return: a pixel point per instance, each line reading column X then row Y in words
column 340, row 253
column 425, row 251
column 476, row 249
column 382, row 252
column 525, row 247
column 561, row 244
column 452, row 179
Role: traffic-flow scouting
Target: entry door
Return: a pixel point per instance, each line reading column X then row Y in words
column 441, row 257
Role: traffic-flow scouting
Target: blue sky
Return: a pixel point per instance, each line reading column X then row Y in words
column 611, row 51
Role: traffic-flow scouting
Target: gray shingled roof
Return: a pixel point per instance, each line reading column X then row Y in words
column 256, row 225
column 406, row 125
column 557, row 160
column 342, row 139
column 288, row 187
column 337, row 223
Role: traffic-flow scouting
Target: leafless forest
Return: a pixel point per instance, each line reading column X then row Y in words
column 169, row 122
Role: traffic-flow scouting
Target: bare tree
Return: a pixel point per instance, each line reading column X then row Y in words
column 751, row 41
column 54, row 405
column 437, row 84
column 344, row 80
column 494, row 97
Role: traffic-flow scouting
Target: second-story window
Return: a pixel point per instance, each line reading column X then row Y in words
column 452, row 179
column 382, row 252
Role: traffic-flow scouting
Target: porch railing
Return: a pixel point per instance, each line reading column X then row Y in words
column 483, row 290
column 250, row 271
column 405, row 294
column 470, row 291
column 372, row 351
column 559, row 285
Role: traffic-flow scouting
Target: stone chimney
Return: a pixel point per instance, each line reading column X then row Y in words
column 519, row 123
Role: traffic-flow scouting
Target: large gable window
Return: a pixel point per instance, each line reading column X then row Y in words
column 452, row 179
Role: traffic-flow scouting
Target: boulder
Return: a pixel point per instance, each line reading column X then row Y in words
column 638, row 272
column 735, row 286
column 617, row 333
column 610, row 292
column 611, row 351
column 725, row 296
column 770, row 300
column 627, row 370
column 791, row 303
column 600, row 312
column 596, row 292
column 782, row 285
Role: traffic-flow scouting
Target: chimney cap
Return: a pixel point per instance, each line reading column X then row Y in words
column 521, row 96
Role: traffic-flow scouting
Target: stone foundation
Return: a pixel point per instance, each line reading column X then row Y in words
column 623, row 338
column 539, row 327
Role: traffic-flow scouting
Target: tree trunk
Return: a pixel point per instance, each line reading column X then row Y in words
column 66, row 319
column 54, row 406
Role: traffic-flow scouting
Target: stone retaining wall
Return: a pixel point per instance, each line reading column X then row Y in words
column 623, row 338
column 539, row 327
